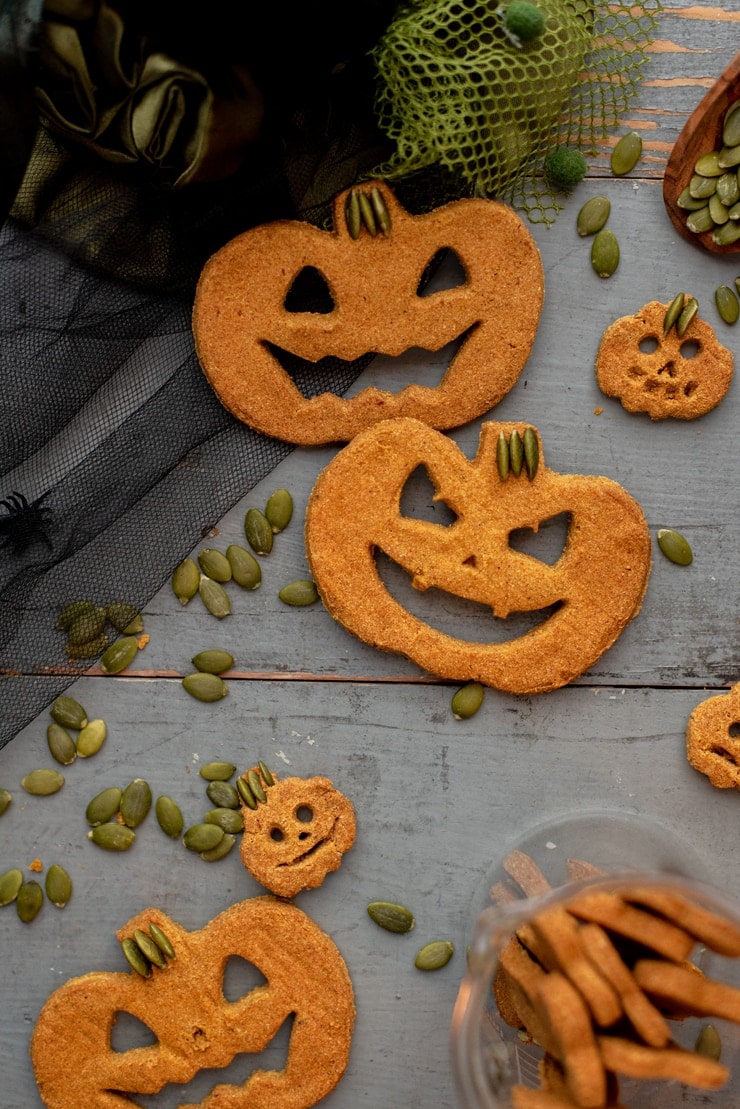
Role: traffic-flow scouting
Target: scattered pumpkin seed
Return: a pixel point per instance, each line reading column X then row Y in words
column 124, row 617
column 61, row 744
column 299, row 593
column 503, row 458
column 91, row 649
column 58, row 885
column 10, row 882
column 673, row 311
column 279, row 510
column 136, row 801
column 135, row 957
column 686, row 315
column 221, row 849
column 230, row 820
column 223, row 795
column 103, row 806
column 727, row 303
column 71, row 611
column 203, row 837
column 5, row 799
column 169, row 816
column 119, row 655
column 708, row 1042
column 42, row 782
column 605, row 253
column 267, row 777
column 258, row 531
column 593, row 215
column 28, row 900
column 352, row 214
column 214, row 597
column 253, row 780
column 215, row 564
column 162, row 941
column 245, row 793
column 112, row 836
column 531, row 451
column 68, row 712
column 217, row 771
column 434, row 955
column 245, row 569
column 467, row 700
column 91, row 738
column 675, row 547
column 392, row 917
column 626, row 154
column 185, row 580
column 149, row 949
column 213, row 661
column 87, row 626
column 516, row 452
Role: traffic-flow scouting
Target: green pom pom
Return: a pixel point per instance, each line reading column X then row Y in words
column 524, row 20
column 565, row 167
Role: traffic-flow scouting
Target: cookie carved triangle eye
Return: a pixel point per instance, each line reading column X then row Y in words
column 445, row 270
column 309, row 292
column 130, row 1032
column 240, row 978
column 420, row 501
column 547, row 543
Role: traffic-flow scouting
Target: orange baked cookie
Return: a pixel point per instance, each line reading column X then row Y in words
column 372, row 264
column 663, row 373
column 713, row 739
column 585, row 599
column 178, row 990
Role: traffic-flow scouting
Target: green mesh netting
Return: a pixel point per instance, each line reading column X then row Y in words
column 454, row 90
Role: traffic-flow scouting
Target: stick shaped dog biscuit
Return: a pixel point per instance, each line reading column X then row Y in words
column 716, row 932
column 694, row 994
column 670, row 1063
column 612, row 912
column 563, row 1011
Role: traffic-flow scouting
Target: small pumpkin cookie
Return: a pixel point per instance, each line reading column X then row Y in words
column 245, row 327
column 663, row 374
column 586, row 597
column 713, row 739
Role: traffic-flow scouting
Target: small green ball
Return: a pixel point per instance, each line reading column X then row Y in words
column 524, row 20
column 565, row 167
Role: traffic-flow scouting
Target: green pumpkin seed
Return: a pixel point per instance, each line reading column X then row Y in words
column 368, row 213
column 42, row 783
column 213, row 661
column 728, row 189
column 727, row 303
column 593, row 215
column 688, row 202
column 58, row 885
column 136, row 801
column 91, row 738
column 731, row 125
column 124, row 617
column 605, row 253
column 708, row 165
column 223, row 795
column 467, row 700
column 267, row 777
column 149, row 949
column 503, row 458
column 86, row 626
column 5, row 799
column 708, row 1043
column 68, row 712
column 162, row 941
column 217, row 771
column 119, row 655
column 215, row 564
column 673, row 311
column 10, row 882
column 299, row 593
column 28, row 901
column 112, row 836
column 61, row 744
column 254, row 783
column 71, row 611
column 728, row 234
column 675, row 547
column 245, row 568
column 718, row 211
column 279, row 510
column 392, row 917
column 245, row 793
column 205, row 687
column 516, row 453
column 380, row 210
column 214, row 597
column 230, row 820
column 103, row 806
column 91, row 649
column 686, row 315
column 203, row 837
column 434, row 955
column 729, row 156
column 221, row 850
column 700, row 221
column 701, row 187
column 531, row 451
column 135, row 957
column 626, row 154
column 258, row 531
column 185, row 580
column 352, row 214
column 169, row 816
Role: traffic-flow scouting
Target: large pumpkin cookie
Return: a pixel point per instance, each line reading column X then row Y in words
column 594, row 588
column 243, row 322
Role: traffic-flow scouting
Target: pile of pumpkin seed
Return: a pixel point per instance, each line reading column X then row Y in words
column 400, row 920
column 145, row 950
column 517, row 453
column 87, row 626
column 711, row 199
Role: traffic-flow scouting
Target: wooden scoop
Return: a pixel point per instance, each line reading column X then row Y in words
column 701, row 134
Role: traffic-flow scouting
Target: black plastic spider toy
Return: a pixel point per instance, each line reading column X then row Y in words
column 23, row 523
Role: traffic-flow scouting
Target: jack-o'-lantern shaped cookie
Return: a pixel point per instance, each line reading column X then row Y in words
column 713, row 739
column 372, row 267
column 178, row 989
column 587, row 596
